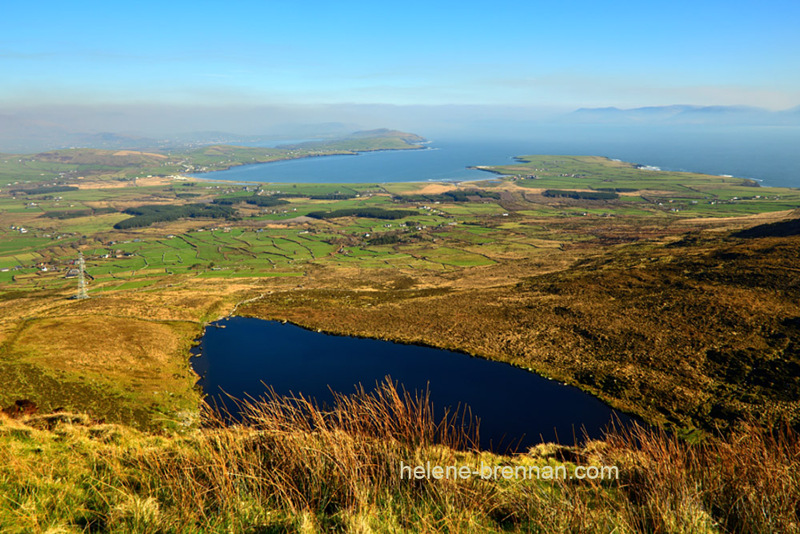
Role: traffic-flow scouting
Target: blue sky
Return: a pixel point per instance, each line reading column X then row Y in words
column 535, row 54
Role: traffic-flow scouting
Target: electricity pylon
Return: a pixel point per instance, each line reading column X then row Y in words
column 82, row 294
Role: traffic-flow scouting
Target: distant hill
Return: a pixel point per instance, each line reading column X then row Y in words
column 25, row 136
column 364, row 141
column 384, row 132
column 19, row 135
column 644, row 112
column 288, row 132
column 686, row 114
column 93, row 156
column 59, row 165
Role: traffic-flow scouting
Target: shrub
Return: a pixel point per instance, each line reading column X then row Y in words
column 153, row 213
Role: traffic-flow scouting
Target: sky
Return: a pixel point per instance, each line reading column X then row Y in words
column 548, row 55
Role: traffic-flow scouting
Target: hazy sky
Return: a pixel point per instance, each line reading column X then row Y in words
column 539, row 54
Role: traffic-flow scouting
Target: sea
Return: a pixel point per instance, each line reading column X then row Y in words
column 769, row 154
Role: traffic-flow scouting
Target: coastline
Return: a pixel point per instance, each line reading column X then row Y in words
column 306, row 156
column 486, row 168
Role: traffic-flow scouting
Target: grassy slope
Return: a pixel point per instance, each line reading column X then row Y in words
column 678, row 335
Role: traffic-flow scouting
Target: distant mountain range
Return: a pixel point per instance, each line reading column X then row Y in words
column 27, row 132
column 686, row 114
column 22, row 135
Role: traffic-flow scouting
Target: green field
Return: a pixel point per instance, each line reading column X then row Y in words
column 646, row 295
column 445, row 235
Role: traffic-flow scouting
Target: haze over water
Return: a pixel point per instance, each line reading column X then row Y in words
column 769, row 154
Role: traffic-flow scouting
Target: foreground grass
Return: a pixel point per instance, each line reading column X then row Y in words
column 297, row 468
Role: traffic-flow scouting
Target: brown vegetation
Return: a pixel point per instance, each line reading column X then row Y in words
column 696, row 334
column 300, row 468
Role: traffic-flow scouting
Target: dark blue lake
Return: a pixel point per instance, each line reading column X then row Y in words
column 515, row 407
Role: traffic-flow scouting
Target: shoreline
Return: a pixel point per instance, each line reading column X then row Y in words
column 308, row 156
column 202, row 177
column 618, row 413
column 451, row 181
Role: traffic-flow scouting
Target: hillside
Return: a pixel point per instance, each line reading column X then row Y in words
column 365, row 141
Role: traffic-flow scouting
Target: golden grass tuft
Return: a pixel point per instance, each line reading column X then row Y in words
column 748, row 481
column 298, row 467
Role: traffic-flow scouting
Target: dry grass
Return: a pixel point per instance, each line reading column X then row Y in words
column 653, row 330
column 748, row 481
column 99, row 343
column 120, row 368
column 298, row 468
column 301, row 458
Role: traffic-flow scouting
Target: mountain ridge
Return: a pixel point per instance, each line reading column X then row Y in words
column 686, row 114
